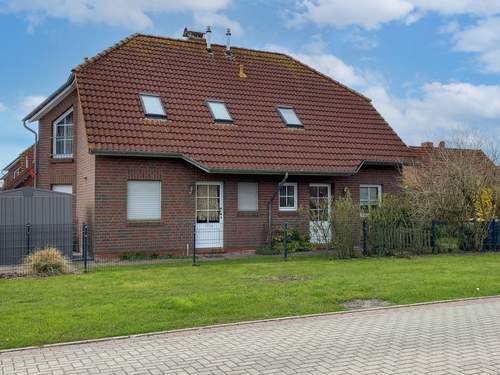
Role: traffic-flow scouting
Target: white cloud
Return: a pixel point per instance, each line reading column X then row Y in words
column 482, row 38
column 340, row 13
column 133, row 14
column 29, row 103
column 3, row 107
column 441, row 110
column 432, row 111
column 371, row 14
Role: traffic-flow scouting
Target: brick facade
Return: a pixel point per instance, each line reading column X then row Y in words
column 53, row 171
column 174, row 232
column 100, row 195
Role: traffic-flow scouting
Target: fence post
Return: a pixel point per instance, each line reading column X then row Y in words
column 194, row 244
column 434, row 236
column 85, row 245
column 494, row 235
column 28, row 238
column 365, row 238
column 285, row 240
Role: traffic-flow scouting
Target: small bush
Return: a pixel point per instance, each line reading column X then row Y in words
column 47, row 261
column 296, row 241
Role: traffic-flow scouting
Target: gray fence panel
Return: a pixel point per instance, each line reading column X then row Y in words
column 49, row 215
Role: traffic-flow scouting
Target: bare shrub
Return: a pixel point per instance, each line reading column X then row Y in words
column 457, row 185
column 47, row 261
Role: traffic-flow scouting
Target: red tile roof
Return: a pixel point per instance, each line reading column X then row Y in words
column 341, row 127
column 423, row 154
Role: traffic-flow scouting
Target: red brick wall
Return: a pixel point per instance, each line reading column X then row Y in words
column 57, row 171
column 173, row 233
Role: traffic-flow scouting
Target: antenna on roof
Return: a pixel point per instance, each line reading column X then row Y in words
column 208, row 37
column 228, row 42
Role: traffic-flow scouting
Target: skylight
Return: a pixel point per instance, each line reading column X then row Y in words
column 289, row 116
column 152, row 106
column 219, row 111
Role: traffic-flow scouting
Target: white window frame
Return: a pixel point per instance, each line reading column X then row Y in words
column 295, row 197
column 379, row 188
column 256, row 192
column 155, row 218
column 329, row 196
column 54, row 136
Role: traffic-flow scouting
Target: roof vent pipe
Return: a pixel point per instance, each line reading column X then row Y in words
column 228, row 42
column 208, row 38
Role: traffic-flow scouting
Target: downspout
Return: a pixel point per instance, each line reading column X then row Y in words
column 270, row 209
column 35, row 154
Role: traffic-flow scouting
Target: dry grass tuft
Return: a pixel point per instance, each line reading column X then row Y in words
column 47, row 261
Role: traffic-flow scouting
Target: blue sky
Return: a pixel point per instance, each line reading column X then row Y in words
column 432, row 68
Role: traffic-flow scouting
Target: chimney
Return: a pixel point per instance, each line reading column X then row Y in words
column 442, row 144
column 208, row 37
column 228, row 43
column 193, row 35
column 427, row 145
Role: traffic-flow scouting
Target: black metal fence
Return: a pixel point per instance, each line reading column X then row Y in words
column 354, row 238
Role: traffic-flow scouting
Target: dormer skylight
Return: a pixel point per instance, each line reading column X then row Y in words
column 219, row 111
column 289, row 117
column 152, row 106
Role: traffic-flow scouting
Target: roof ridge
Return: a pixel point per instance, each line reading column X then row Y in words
column 345, row 87
column 269, row 53
column 88, row 61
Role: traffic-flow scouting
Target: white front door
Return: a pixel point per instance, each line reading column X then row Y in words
column 319, row 210
column 209, row 215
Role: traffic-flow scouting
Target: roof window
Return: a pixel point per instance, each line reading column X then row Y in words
column 219, row 111
column 152, row 106
column 289, row 117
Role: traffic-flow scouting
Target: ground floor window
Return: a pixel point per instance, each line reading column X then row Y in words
column 68, row 189
column 370, row 197
column 143, row 200
column 319, row 201
column 248, row 196
column 288, row 197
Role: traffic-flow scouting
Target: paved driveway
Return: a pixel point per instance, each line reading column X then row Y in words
column 452, row 338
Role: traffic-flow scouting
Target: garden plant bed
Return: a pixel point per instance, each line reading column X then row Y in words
column 126, row 300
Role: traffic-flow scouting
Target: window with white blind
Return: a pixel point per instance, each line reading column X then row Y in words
column 248, row 196
column 68, row 189
column 143, row 200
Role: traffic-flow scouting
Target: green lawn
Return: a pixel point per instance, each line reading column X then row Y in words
column 136, row 299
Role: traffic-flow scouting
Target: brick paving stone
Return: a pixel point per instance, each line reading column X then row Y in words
column 458, row 338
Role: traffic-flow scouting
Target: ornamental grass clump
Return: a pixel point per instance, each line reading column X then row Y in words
column 47, row 261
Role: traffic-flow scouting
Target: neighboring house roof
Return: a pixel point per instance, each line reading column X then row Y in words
column 428, row 149
column 342, row 130
column 11, row 181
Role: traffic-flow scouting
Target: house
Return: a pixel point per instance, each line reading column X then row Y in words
column 158, row 138
column 428, row 154
column 20, row 172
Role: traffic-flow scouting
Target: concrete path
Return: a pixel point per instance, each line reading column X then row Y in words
column 449, row 338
